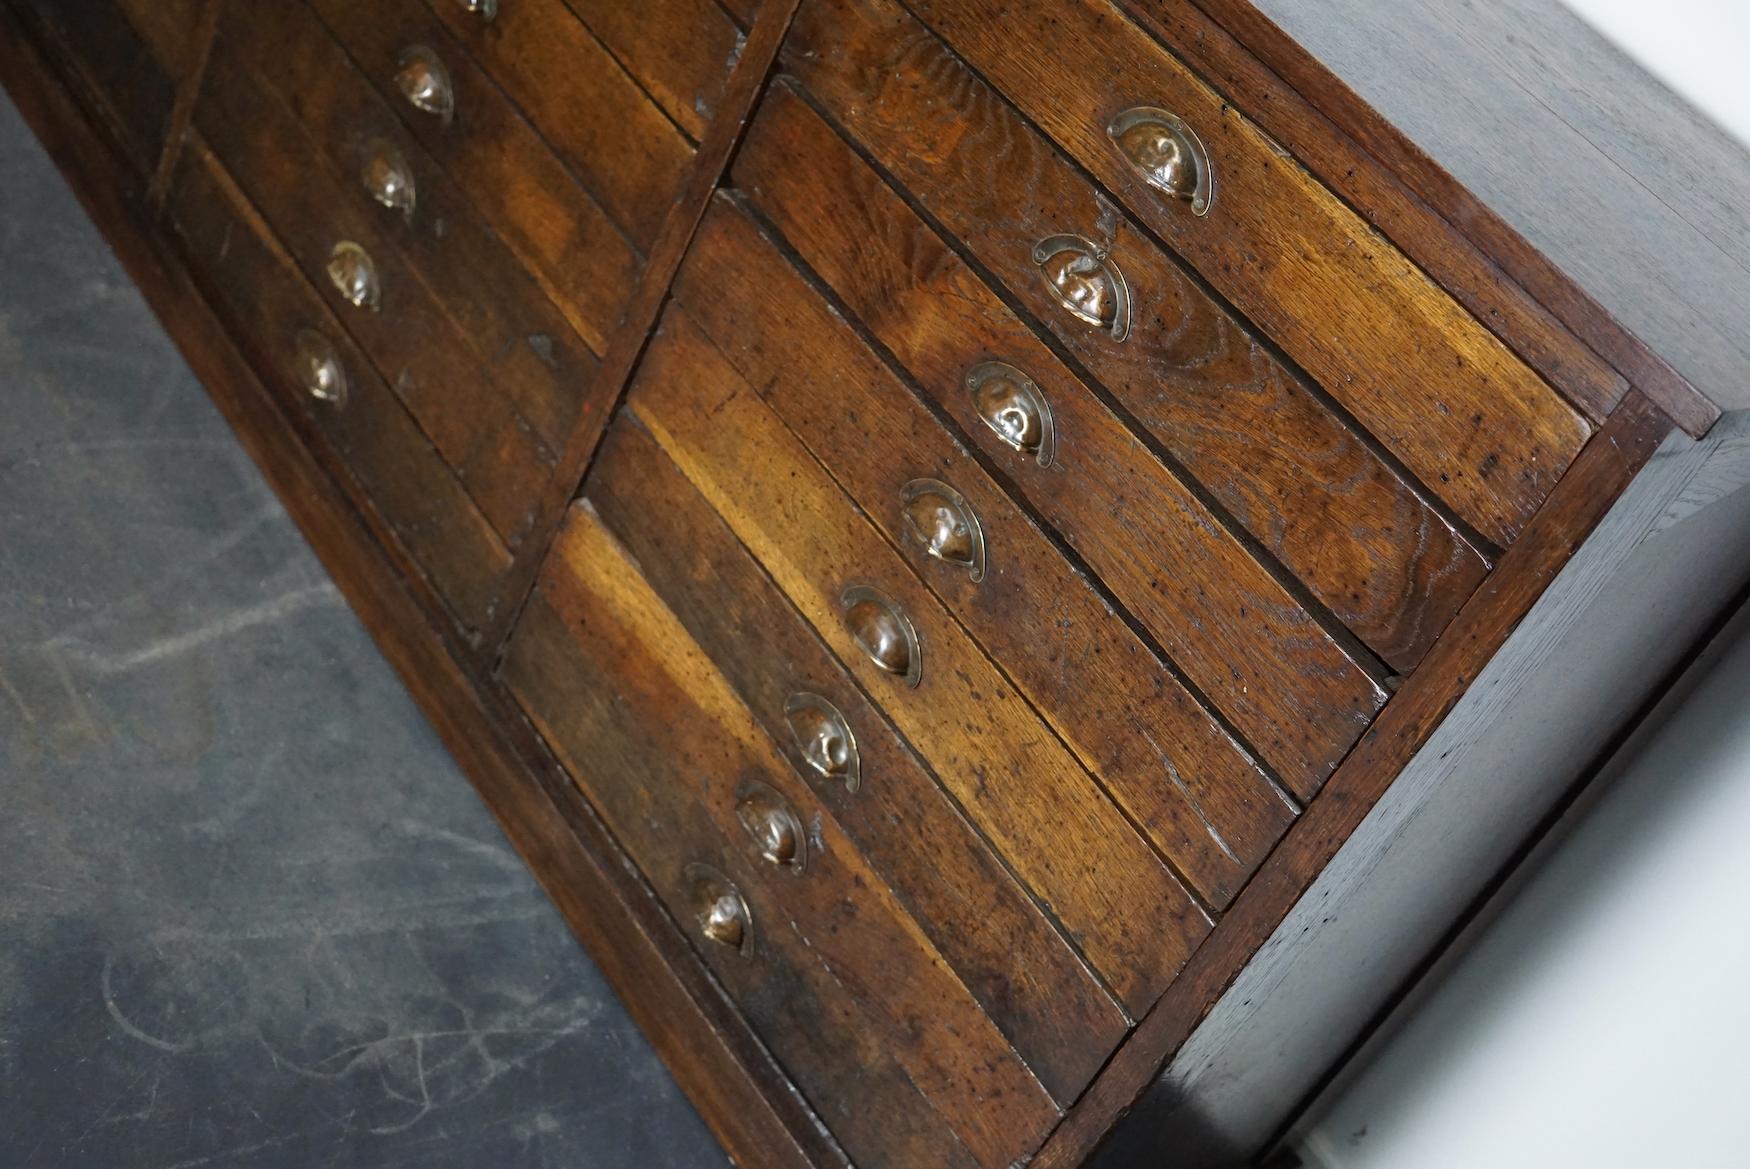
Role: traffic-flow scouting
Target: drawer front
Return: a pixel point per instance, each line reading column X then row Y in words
column 121, row 77
column 1247, row 428
column 533, row 355
column 598, row 120
column 408, row 326
column 828, row 967
column 388, row 463
column 1463, row 413
column 1050, row 820
column 1023, row 973
column 519, row 187
column 680, row 51
column 1114, row 701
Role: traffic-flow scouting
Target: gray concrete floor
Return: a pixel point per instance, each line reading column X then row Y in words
column 251, row 915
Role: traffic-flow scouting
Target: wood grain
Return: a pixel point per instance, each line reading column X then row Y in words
column 614, row 138
column 429, row 359
column 1462, row 412
column 268, row 301
column 671, row 790
column 527, row 347
column 522, row 191
column 1035, row 987
column 1190, row 787
column 1498, row 293
column 1019, row 784
column 1247, row 428
column 680, row 51
column 1491, row 102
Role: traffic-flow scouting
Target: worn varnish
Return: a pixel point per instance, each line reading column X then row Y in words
column 1177, row 687
column 1051, row 822
column 1031, row 981
column 520, row 187
column 1214, row 396
column 1472, row 421
column 833, row 920
column 268, row 302
column 1114, row 702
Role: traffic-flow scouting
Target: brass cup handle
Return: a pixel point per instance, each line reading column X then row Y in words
column 719, row 908
column 943, row 524
column 317, row 366
column 388, row 177
column 774, row 826
column 354, row 275
column 883, row 632
column 424, row 81
column 824, row 738
column 487, row 10
column 1167, row 153
column 1013, row 407
column 1085, row 281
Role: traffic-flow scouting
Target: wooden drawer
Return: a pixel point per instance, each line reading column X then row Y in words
column 124, row 56
column 680, row 51
column 519, row 187
column 1106, row 691
column 838, row 979
column 1017, row 781
column 389, row 463
column 1478, row 428
column 535, row 358
column 410, row 326
column 1242, row 424
column 606, row 129
column 1024, row 974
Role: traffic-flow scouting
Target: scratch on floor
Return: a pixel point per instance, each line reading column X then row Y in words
column 231, row 623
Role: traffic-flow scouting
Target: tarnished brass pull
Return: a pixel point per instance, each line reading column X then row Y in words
column 883, row 632
column 1013, row 407
column 824, row 738
column 486, row 9
column 425, row 82
column 719, row 908
column 316, row 365
column 940, row 521
column 354, row 275
column 776, row 830
column 1166, row 153
column 388, row 177
column 1086, row 282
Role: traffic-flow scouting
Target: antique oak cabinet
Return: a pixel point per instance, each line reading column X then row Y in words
column 1013, row 567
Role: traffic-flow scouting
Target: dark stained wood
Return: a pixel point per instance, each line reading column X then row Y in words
column 259, row 289
column 521, row 189
column 430, row 361
column 680, row 51
column 746, row 83
column 1475, row 278
column 1528, row 106
column 714, row 1055
column 171, row 28
column 526, row 346
column 120, row 80
column 1477, row 426
column 1053, row 825
column 1009, row 955
column 1603, row 471
column 668, row 745
column 607, row 130
column 744, row 11
column 1265, row 447
column 1116, row 705
column 822, row 1040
